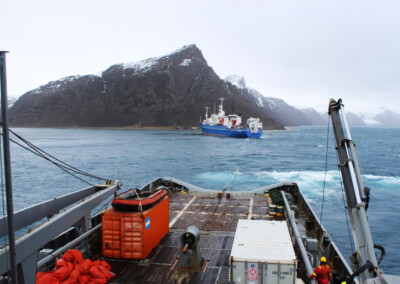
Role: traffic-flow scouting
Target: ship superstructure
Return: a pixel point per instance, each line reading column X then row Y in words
column 230, row 125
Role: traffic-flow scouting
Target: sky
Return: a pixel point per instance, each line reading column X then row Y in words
column 304, row 52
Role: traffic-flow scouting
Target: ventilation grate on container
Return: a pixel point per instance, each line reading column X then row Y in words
column 223, row 275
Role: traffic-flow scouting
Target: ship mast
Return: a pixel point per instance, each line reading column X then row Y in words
column 7, row 166
column 207, row 112
column 221, row 106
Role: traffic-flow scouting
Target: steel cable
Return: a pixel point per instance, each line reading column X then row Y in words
column 73, row 171
column 326, row 169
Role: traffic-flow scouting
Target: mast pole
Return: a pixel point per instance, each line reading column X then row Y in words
column 207, row 112
column 7, row 166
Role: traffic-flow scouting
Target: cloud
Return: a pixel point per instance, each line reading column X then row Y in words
column 301, row 51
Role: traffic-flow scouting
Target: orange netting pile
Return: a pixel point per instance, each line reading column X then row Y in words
column 71, row 268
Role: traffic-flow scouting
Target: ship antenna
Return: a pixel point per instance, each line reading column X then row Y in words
column 7, row 166
column 207, row 111
column 222, row 102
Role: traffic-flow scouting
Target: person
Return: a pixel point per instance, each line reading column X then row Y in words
column 323, row 273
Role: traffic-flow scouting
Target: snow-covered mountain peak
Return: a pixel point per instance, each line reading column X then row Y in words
column 237, row 81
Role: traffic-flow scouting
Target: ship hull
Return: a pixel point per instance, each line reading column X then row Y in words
column 223, row 131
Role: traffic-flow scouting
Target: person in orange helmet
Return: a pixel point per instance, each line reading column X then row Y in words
column 323, row 273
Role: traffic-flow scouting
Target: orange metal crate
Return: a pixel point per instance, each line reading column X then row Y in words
column 129, row 236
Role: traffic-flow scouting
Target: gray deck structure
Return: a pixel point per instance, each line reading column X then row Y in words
column 215, row 217
column 215, row 214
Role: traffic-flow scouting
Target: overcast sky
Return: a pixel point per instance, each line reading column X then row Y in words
column 304, row 52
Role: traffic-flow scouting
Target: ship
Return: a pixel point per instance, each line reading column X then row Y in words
column 230, row 125
column 266, row 235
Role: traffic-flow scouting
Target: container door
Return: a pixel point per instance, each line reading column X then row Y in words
column 246, row 272
column 279, row 273
column 131, row 235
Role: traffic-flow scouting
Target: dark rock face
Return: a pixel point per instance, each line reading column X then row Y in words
column 168, row 91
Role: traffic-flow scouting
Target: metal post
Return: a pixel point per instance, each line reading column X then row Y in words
column 7, row 166
column 297, row 235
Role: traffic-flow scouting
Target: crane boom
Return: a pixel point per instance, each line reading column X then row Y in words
column 364, row 260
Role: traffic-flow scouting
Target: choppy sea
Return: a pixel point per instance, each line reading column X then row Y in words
column 136, row 157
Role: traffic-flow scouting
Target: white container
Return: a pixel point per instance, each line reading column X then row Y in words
column 262, row 252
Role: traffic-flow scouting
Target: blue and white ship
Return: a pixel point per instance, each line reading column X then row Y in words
column 230, row 125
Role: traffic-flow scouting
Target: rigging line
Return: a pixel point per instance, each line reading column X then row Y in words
column 56, row 164
column 345, row 208
column 240, row 165
column 38, row 150
column 48, row 159
column 326, row 169
column 229, row 185
column 3, row 203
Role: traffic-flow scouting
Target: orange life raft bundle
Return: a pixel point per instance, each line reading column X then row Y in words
column 134, row 200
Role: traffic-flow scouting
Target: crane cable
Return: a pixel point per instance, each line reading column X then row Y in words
column 326, row 169
column 57, row 162
column 229, row 185
column 239, row 167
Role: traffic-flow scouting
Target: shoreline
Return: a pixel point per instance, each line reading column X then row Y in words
column 113, row 127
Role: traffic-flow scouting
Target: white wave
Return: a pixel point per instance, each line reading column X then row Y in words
column 313, row 184
column 301, row 175
column 385, row 179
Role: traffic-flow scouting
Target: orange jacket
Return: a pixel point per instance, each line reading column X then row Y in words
column 323, row 274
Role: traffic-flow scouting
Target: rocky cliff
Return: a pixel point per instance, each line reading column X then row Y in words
column 167, row 91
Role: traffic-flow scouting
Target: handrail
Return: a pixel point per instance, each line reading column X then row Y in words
column 299, row 240
column 68, row 246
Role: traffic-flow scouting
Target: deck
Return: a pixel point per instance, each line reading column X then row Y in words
column 215, row 217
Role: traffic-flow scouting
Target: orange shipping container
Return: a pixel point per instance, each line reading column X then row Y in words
column 128, row 235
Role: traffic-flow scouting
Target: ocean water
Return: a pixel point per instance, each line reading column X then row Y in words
column 136, row 157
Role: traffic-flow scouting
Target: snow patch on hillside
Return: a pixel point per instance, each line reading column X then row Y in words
column 186, row 62
column 141, row 66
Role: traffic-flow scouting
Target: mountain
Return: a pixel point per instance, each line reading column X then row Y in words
column 288, row 115
column 314, row 117
column 278, row 109
column 388, row 118
column 355, row 120
column 166, row 91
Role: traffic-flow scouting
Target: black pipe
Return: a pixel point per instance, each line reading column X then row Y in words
column 7, row 167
